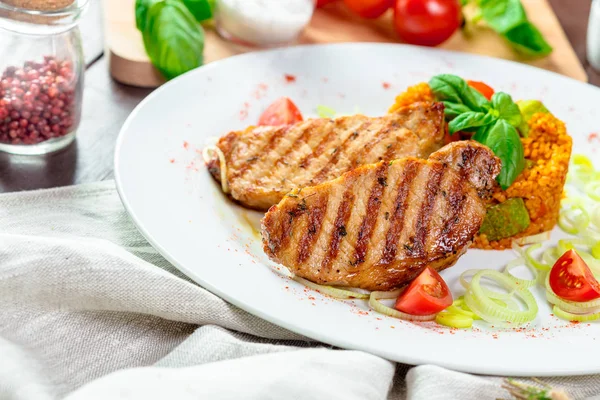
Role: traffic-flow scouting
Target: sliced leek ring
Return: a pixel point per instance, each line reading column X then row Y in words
column 557, row 311
column 454, row 320
column 574, row 219
column 532, row 262
column 335, row 292
column 522, row 283
column 490, row 293
column 208, row 154
column 592, row 189
column 487, row 309
column 533, row 239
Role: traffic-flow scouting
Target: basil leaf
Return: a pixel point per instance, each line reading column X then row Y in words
column 173, row 39
column 502, row 15
column 504, row 141
column 453, row 89
column 451, row 110
column 507, row 109
column 141, row 12
column 481, row 134
column 202, row 10
column 469, row 120
column 528, row 40
column 508, row 18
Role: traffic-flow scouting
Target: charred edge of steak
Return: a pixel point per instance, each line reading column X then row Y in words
column 474, row 162
column 437, row 109
column 214, row 168
column 225, row 144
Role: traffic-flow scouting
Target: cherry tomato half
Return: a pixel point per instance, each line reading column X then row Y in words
column 571, row 279
column 321, row 3
column 282, row 112
column 426, row 22
column 369, row 8
column 427, row 294
column 482, row 88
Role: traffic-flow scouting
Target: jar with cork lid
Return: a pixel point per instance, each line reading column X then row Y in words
column 41, row 74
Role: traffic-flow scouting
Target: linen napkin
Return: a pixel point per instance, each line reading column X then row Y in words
column 89, row 310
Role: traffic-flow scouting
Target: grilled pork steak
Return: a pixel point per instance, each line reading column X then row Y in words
column 377, row 226
column 266, row 162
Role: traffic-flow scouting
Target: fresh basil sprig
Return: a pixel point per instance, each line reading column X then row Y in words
column 470, row 121
column 507, row 108
column 493, row 122
column 506, row 144
column 201, row 9
column 141, row 12
column 508, row 18
column 455, row 91
column 173, row 38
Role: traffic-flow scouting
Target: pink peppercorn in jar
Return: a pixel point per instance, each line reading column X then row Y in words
column 41, row 76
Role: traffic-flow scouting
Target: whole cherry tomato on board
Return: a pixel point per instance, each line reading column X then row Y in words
column 369, row 8
column 426, row 22
column 427, row 294
column 571, row 279
column 321, row 3
column 283, row 111
column 482, row 88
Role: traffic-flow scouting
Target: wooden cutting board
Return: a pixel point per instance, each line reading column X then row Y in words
column 130, row 65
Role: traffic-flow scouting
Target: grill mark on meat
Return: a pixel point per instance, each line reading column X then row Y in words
column 335, row 158
column 456, row 200
column 411, row 170
column 306, row 134
column 466, row 155
column 306, row 154
column 339, row 228
column 381, row 134
column 417, row 249
column 287, row 224
column 329, row 242
column 372, row 211
column 261, row 153
column 317, row 130
column 311, row 233
column 391, row 150
column 321, row 147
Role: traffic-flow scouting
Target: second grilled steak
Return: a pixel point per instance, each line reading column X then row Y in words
column 378, row 226
column 264, row 163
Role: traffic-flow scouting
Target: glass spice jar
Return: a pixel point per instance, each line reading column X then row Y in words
column 41, row 74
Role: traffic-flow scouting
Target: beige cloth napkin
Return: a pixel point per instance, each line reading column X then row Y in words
column 90, row 311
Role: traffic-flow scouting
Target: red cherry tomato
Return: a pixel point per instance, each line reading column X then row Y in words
column 448, row 138
column 571, row 279
column 482, row 88
column 321, row 3
column 369, row 8
column 427, row 22
column 427, row 294
column 282, row 112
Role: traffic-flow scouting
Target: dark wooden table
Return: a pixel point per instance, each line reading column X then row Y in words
column 107, row 104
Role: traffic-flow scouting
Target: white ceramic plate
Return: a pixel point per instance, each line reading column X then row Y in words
column 178, row 207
